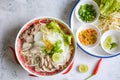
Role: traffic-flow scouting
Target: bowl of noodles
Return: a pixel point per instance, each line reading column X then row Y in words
column 45, row 46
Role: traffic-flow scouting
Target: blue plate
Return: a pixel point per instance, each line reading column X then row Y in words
column 92, row 52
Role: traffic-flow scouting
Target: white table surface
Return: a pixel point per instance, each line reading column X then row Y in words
column 15, row 13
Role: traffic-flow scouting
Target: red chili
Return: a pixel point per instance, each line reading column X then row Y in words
column 69, row 68
column 95, row 70
column 97, row 67
column 33, row 75
column 13, row 51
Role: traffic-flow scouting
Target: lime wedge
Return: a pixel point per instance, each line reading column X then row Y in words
column 56, row 57
column 83, row 68
column 107, row 42
column 107, row 45
column 108, row 39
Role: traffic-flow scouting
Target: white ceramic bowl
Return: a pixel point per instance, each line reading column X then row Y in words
column 84, row 27
column 18, row 45
column 116, row 38
column 87, row 2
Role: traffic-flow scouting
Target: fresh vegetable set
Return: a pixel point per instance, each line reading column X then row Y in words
column 102, row 17
column 105, row 16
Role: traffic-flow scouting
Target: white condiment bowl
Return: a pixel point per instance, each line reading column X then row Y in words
column 87, row 2
column 115, row 37
column 84, row 27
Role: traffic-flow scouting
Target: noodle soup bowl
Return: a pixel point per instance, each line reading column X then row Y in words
column 82, row 31
column 23, row 60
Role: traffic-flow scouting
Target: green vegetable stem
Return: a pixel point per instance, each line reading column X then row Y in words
column 108, row 7
column 87, row 13
column 55, row 27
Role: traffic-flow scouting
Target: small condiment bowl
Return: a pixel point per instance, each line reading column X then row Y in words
column 87, row 2
column 115, row 37
column 84, row 27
